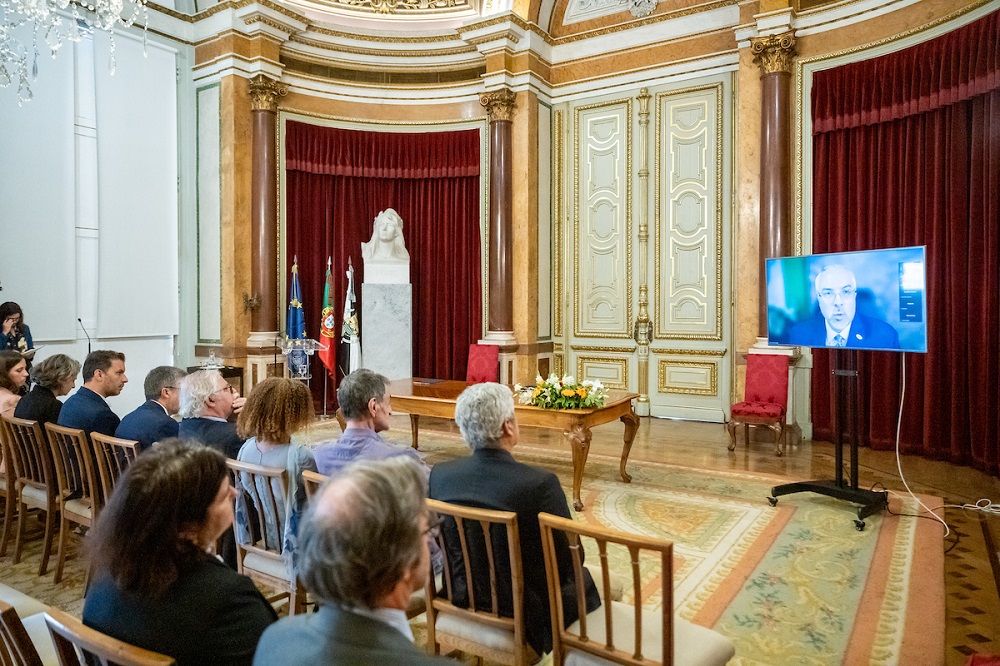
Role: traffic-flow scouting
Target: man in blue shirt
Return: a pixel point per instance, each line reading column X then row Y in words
column 87, row 409
column 367, row 407
column 151, row 421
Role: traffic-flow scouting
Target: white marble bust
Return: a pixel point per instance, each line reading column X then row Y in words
column 387, row 245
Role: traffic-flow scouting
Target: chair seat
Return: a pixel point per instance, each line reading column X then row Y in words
column 268, row 566
column 24, row 605
column 40, row 637
column 616, row 583
column 494, row 639
column 79, row 507
column 694, row 645
column 36, row 495
column 764, row 410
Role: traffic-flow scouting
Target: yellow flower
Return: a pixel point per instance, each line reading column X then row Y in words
column 582, row 392
column 538, row 391
column 569, row 393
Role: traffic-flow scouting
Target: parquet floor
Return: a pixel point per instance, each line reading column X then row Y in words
column 971, row 580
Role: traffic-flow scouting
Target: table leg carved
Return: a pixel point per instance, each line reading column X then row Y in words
column 414, row 427
column 631, row 422
column 578, row 438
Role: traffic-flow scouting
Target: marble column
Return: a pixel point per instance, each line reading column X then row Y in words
column 774, row 55
column 263, row 302
column 500, row 109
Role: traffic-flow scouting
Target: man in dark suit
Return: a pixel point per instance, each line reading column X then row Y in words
column 103, row 377
column 492, row 479
column 151, row 421
column 362, row 554
column 838, row 324
column 206, row 403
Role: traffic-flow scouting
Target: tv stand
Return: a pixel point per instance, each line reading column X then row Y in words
column 845, row 377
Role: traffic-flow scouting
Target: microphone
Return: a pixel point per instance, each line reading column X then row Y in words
column 85, row 333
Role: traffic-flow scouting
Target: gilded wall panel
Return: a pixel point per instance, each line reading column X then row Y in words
column 611, row 371
column 602, row 220
column 688, row 377
column 688, row 272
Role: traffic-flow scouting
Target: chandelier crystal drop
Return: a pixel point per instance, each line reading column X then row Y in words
column 52, row 24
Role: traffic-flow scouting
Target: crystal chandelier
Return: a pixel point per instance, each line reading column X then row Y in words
column 56, row 22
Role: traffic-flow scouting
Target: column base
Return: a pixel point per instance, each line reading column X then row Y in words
column 263, row 340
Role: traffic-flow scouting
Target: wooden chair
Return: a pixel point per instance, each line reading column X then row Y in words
column 35, row 485
column 24, row 642
column 70, row 635
column 484, row 617
column 113, row 456
column 617, row 632
column 261, row 558
column 312, row 481
column 7, row 479
column 765, row 400
column 79, row 492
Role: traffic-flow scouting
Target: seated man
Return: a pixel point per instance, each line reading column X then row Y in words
column 491, row 479
column 206, row 403
column 362, row 553
column 87, row 409
column 151, row 422
column 367, row 407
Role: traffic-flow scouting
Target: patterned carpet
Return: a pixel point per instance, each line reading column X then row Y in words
column 794, row 584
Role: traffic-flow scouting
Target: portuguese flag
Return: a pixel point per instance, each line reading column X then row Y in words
column 327, row 334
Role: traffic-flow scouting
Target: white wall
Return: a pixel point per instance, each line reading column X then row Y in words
column 90, row 204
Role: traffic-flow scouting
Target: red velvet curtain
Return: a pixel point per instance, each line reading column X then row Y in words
column 338, row 180
column 906, row 151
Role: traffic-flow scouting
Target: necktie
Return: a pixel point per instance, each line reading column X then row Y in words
column 839, row 340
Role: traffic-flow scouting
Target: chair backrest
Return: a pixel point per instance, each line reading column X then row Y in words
column 113, row 456
column 265, row 491
column 767, row 379
column 29, row 454
column 16, row 648
column 312, row 481
column 601, row 640
column 472, row 588
column 484, row 364
column 70, row 635
column 73, row 459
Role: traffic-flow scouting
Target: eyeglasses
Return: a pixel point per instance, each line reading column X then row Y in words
column 227, row 387
column 831, row 294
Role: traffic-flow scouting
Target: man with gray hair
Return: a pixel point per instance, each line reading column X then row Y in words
column 366, row 406
column 362, row 553
column 206, row 403
column 491, row 479
column 151, row 421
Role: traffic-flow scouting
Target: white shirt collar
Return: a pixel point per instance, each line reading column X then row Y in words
column 831, row 334
column 393, row 617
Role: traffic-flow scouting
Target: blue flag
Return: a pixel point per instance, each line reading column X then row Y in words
column 295, row 323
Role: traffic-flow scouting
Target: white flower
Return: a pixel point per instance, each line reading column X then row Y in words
column 538, row 379
column 568, row 379
column 517, row 388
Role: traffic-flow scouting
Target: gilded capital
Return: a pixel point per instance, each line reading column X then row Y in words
column 499, row 104
column 773, row 53
column 264, row 93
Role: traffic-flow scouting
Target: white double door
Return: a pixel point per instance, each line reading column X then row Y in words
column 645, row 246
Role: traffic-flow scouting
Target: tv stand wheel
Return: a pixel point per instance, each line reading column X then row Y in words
column 773, row 501
column 859, row 525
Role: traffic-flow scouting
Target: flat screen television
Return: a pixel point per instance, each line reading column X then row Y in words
column 861, row 300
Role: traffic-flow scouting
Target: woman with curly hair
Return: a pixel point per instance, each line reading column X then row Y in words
column 53, row 377
column 276, row 409
column 154, row 583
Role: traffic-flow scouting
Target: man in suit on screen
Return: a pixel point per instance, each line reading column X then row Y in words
column 838, row 323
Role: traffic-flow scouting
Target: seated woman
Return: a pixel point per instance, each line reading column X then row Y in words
column 53, row 377
column 276, row 409
column 13, row 377
column 154, row 584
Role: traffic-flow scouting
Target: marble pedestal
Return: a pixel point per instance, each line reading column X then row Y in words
column 387, row 329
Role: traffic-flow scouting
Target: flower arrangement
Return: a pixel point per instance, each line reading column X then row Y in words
column 565, row 393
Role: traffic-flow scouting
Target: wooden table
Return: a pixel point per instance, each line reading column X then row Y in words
column 430, row 397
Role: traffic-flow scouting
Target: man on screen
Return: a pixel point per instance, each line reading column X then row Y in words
column 837, row 324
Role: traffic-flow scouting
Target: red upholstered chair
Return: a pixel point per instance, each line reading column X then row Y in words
column 766, row 399
column 484, row 364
